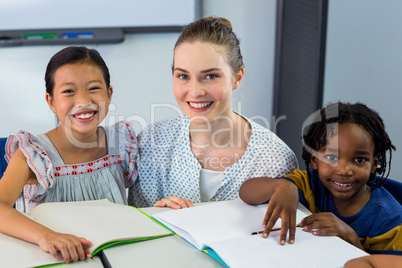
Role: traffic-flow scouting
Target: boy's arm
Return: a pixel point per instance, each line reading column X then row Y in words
column 283, row 197
column 326, row 223
column 258, row 190
column 377, row 261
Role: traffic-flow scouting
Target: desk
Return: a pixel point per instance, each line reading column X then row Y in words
column 171, row 251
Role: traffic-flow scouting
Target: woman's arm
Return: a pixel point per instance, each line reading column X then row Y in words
column 174, row 202
column 16, row 224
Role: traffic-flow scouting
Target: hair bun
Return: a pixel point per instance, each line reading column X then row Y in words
column 222, row 20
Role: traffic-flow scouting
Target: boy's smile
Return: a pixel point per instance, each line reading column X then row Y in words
column 346, row 162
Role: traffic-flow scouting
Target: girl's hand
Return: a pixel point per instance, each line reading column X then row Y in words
column 174, row 202
column 327, row 223
column 65, row 246
column 283, row 204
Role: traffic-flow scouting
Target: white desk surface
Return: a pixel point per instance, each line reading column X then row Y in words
column 171, row 251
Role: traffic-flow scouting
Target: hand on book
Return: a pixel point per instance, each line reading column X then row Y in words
column 65, row 246
column 174, row 202
column 326, row 223
column 283, row 204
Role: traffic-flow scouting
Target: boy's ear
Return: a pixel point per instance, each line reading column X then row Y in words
column 314, row 161
column 376, row 160
column 50, row 102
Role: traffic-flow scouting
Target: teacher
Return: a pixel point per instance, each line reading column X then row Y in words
column 207, row 154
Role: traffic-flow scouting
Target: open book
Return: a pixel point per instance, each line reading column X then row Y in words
column 100, row 221
column 224, row 231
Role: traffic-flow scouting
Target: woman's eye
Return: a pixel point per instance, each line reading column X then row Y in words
column 210, row 76
column 94, row 88
column 182, row 76
column 68, row 91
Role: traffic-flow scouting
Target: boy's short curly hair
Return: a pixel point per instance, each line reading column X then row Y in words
column 315, row 138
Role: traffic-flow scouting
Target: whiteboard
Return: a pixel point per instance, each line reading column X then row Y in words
column 51, row 14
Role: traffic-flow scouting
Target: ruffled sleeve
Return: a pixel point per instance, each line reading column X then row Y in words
column 37, row 159
column 123, row 139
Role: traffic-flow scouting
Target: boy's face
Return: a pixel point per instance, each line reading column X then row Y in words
column 345, row 163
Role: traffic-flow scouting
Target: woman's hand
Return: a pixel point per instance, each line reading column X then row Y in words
column 174, row 202
column 283, row 204
column 327, row 223
column 65, row 246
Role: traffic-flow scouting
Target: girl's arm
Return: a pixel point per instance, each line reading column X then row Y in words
column 283, row 197
column 16, row 224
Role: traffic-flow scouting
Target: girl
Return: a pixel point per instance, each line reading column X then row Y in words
column 346, row 146
column 208, row 153
column 76, row 161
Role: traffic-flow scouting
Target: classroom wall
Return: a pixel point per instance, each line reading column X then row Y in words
column 363, row 61
column 140, row 70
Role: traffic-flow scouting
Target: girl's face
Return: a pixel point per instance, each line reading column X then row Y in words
column 80, row 97
column 345, row 163
column 203, row 81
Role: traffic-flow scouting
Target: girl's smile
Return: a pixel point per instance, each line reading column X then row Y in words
column 85, row 117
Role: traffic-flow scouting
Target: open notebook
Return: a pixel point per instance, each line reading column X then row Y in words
column 223, row 230
column 101, row 222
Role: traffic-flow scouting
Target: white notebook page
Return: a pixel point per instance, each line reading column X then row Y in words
column 308, row 251
column 222, row 220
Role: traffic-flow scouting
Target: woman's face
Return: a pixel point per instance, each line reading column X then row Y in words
column 203, row 81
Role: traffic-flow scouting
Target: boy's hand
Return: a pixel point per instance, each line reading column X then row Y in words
column 66, row 246
column 283, row 204
column 174, row 202
column 327, row 223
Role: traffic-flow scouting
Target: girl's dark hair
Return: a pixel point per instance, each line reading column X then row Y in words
column 217, row 31
column 316, row 137
column 74, row 55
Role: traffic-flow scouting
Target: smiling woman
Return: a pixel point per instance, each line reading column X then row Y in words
column 76, row 161
column 208, row 153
